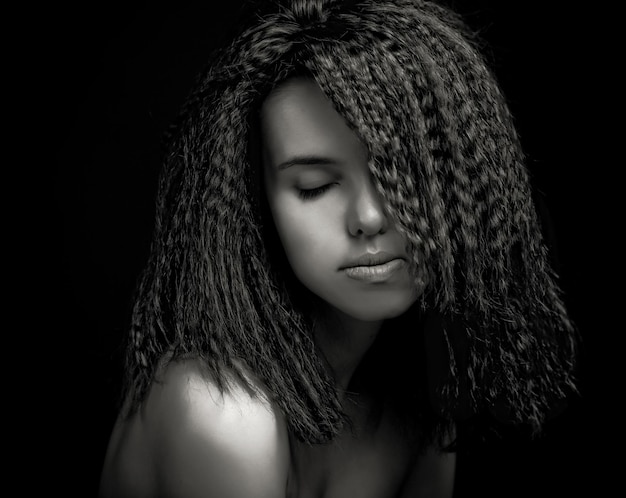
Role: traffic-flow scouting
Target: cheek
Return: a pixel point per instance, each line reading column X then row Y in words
column 302, row 237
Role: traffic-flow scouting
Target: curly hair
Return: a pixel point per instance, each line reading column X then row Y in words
column 409, row 78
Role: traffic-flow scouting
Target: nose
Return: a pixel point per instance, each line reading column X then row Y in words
column 366, row 215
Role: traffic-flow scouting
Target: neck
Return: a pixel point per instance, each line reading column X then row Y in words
column 344, row 341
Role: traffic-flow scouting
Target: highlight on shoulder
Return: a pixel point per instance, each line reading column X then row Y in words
column 191, row 439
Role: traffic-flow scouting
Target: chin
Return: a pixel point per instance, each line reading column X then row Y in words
column 381, row 309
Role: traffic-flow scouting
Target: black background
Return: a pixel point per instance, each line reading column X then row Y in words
column 115, row 75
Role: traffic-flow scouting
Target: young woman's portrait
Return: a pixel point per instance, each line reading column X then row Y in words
column 329, row 250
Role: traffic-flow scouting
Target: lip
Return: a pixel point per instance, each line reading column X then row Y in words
column 371, row 259
column 374, row 267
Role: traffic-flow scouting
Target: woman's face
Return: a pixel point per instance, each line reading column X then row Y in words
column 330, row 220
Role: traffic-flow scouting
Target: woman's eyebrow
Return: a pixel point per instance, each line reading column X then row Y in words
column 305, row 160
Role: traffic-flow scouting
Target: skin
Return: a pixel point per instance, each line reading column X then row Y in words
column 189, row 440
column 328, row 214
column 325, row 207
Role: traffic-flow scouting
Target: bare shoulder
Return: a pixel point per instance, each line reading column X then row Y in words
column 190, row 439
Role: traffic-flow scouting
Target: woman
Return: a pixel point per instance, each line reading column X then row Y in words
column 347, row 267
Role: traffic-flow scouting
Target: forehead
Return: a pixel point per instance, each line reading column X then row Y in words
column 298, row 119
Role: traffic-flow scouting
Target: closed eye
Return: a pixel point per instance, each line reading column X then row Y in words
column 313, row 192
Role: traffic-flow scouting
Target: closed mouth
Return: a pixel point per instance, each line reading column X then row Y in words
column 371, row 259
column 374, row 267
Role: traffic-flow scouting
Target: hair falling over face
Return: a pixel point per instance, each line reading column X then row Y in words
column 490, row 334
